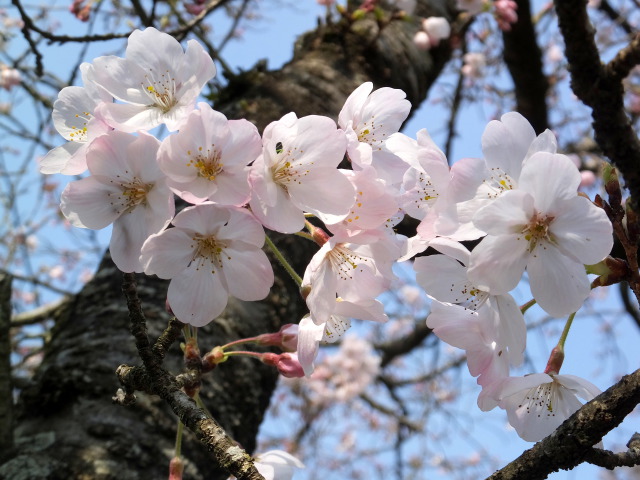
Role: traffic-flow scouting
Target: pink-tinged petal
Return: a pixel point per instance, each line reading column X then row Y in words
column 351, row 110
column 466, row 176
column 558, row 283
column 242, row 226
column 512, row 329
column 497, row 263
column 455, row 325
column 197, row 296
column 582, row 230
column 505, row 143
column 58, row 160
column 130, row 118
column 129, row 234
column 548, row 178
column 283, row 216
column 154, row 48
column 369, row 309
column 233, row 188
column 248, row 273
column 517, row 384
column 262, row 185
column 245, row 144
column 204, row 219
column 309, row 336
column 86, row 203
column 168, row 253
column 443, row 278
column 322, row 298
column 508, row 214
column 327, row 193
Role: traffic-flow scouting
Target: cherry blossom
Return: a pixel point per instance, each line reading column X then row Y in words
column 297, row 172
column 348, row 267
column 212, row 253
column 208, row 157
column 444, row 277
column 125, row 188
column 157, row 81
column 277, row 465
column 547, row 228
column 537, row 404
column 76, row 119
column 368, row 119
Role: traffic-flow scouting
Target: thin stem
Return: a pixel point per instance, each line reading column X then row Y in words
column 238, row 342
column 243, row 353
column 178, row 448
column 527, row 305
column 565, row 332
column 283, row 261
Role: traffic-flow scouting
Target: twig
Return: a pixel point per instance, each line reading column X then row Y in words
column 39, row 314
column 229, row 455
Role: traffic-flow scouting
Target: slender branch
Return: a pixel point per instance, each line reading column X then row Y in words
column 603, row 92
column 39, row 314
column 611, row 460
column 229, row 455
column 625, row 60
column 402, row 345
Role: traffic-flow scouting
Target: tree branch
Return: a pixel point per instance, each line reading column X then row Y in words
column 6, row 390
column 228, row 454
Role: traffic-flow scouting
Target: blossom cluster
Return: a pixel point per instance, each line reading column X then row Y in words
column 520, row 201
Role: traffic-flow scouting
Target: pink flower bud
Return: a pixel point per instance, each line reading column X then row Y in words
column 176, row 467
column 286, row 363
column 286, row 339
column 421, row 40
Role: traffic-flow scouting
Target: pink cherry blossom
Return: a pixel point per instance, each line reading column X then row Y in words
column 297, row 172
column 125, row 188
column 208, row 157
column 212, row 253
column 157, row 81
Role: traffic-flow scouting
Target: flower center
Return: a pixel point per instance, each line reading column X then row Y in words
column 208, row 164
column 367, row 133
column 538, row 230
column 162, row 91
column 208, row 252
column 541, row 398
column 132, row 194
column 344, row 261
column 287, row 169
column 79, row 134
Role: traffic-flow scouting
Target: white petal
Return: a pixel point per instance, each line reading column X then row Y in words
column 498, row 262
column 168, row 253
column 558, row 283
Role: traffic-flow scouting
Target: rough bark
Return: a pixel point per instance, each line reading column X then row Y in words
column 67, row 426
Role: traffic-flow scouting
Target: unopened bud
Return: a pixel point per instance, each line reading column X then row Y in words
column 612, row 185
column 192, row 354
column 287, row 364
column 555, row 361
column 610, row 270
column 286, row 338
column 213, row 358
column 176, row 467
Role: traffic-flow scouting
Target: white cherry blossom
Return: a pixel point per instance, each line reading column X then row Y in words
column 537, row 404
column 76, row 119
column 546, row 227
column 157, row 81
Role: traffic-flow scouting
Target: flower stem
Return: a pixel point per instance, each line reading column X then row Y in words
column 178, row 447
column 283, row 261
column 238, row 342
column 527, row 305
column 565, row 332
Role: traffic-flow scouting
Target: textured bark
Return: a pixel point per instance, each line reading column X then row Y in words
column 67, row 426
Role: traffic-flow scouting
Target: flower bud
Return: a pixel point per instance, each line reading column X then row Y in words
column 176, row 467
column 286, row 363
column 555, row 361
column 285, row 339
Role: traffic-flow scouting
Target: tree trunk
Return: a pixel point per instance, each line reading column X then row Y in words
column 66, row 425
